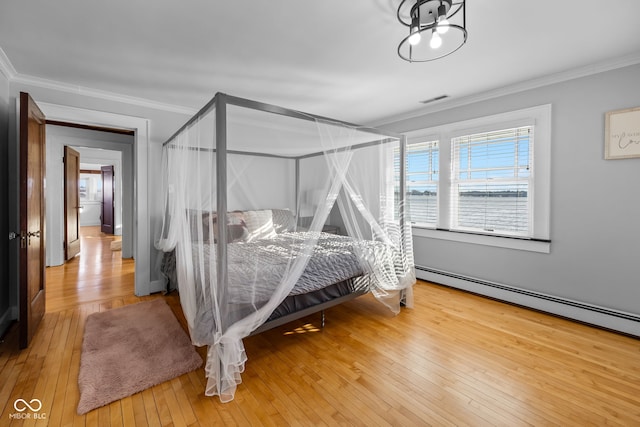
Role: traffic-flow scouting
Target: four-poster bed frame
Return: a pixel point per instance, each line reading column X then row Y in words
column 241, row 272
column 219, row 103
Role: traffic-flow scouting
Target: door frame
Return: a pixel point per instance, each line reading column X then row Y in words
column 141, row 215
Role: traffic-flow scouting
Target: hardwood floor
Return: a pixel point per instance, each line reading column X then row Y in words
column 455, row 359
column 98, row 274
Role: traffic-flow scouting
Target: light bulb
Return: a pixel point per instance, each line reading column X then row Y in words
column 443, row 26
column 415, row 38
column 436, row 40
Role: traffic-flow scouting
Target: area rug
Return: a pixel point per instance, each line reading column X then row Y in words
column 129, row 349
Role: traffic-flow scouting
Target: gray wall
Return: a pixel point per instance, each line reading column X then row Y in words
column 5, row 315
column 595, row 203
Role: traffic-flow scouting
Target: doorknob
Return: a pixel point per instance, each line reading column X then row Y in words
column 31, row 234
column 22, row 236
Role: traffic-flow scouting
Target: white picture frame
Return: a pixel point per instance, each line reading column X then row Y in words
column 622, row 134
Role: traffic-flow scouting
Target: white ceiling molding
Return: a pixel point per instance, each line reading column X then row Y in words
column 550, row 79
column 100, row 94
column 6, row 67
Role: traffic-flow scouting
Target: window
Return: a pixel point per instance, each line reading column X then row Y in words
column 491, row 178
column 486, row 177
column 90, row 187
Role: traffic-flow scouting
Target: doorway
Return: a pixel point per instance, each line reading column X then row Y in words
column 95, row 148
column 139, row 154
column 92, row 273
column 101, row 193
column 142, row 222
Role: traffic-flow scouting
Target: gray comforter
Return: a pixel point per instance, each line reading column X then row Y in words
column 255, row 269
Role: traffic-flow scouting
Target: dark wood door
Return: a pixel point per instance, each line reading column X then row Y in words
column 108, row 188
column 32, row 245
column 71, row 202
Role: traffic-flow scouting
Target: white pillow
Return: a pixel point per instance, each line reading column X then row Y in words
column 259, row 225
column 283, row 220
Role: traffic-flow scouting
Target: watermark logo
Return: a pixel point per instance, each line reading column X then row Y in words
column 33, row 406
column 21, row 405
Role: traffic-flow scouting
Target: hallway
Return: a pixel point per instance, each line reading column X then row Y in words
column 97, row 274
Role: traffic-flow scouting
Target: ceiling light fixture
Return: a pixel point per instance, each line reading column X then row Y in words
column 443, row 21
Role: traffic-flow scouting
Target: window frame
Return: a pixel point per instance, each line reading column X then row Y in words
column 435, row 147
column 540, row 118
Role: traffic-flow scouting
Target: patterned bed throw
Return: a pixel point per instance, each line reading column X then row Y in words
column 333, row 260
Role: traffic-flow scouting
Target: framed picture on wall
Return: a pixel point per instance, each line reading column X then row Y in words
column 622, row 134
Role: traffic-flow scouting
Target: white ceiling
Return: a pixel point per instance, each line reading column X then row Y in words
column 333, row 58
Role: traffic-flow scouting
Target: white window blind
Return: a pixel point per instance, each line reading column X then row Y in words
column 492, row 182
column 422, row 170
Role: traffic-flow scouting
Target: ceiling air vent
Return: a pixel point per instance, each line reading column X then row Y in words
column 437, row 98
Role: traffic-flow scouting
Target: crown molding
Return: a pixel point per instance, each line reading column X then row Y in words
column 6, row 68
column 101, row 94
column 547, row 80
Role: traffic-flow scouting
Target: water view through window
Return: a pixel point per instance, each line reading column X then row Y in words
column 489, row 186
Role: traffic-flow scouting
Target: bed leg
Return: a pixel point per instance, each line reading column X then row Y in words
column 322, row 319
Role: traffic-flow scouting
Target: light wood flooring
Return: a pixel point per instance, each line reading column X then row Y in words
column 455, row 359
column 98, row 274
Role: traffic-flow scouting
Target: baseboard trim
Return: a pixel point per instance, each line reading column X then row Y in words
column 157, row 286
column 624, row 322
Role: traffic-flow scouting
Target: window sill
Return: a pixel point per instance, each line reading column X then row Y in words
column 480, row 239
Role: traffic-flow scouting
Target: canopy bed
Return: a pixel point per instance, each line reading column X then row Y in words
column 248, row 188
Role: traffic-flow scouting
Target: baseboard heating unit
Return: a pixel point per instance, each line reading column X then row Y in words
column 627, row 323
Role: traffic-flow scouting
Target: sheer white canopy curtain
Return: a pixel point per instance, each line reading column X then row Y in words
column 248, row 188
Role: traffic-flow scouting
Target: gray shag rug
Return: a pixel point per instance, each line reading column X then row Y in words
column 128, row 349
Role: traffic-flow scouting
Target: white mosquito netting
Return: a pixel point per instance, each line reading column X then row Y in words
column 276, row 178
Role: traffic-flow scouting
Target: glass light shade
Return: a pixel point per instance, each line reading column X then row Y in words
column 442, row 22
